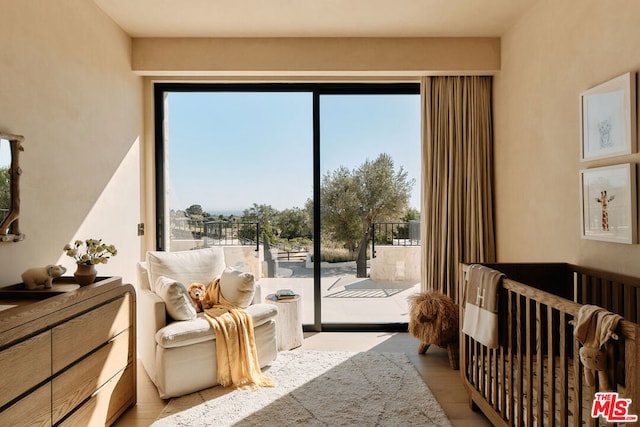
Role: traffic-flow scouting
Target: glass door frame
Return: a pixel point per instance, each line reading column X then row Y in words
column 317, row 90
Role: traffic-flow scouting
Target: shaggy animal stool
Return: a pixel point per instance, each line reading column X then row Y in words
column 433, row 319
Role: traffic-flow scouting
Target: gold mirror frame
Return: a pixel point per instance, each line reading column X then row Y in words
column 10, row 226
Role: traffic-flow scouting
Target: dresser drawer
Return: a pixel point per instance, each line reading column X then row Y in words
column 83, row 379
column 107, row 404
column 33, row 410
column 80, row 335
column 25, row 365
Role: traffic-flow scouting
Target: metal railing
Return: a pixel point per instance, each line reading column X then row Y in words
column 218, row 233
column 226, row 233
column 187, row 228
column 395, row 234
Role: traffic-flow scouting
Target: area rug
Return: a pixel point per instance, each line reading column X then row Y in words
column 318, row 388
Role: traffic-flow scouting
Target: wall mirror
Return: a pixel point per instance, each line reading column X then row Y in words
column 10, row 147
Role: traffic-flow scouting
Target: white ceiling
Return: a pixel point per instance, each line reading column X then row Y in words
column 314, row 18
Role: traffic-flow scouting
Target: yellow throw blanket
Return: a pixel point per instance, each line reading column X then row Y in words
column 235, row 343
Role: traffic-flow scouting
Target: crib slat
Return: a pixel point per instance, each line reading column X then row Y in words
column 596, row 291
column 611, row 367
column 588, row 392
column 474, row 359
column 539, row 373
column 629, row 304
column 551, row 367
column 581, row 287
column 607, row 292
column 493, row 380
column 500, row 391
column 491, row 377
column 509, row 381
column 486, row 352
column 470, row 361
column 486, row 378
column 483, row 374
column 577, row 386
column 617, row 295
column 563, row 377
column 518, row 392
column 588, row 297
column 529, row 356
column 595, row 284
column 634, row 316
column 632, row 352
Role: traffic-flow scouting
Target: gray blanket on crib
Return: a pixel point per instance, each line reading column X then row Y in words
column 480, row 320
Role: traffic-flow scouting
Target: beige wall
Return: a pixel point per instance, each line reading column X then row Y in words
column 315, row 56
column 66, row 85
column 558, row 50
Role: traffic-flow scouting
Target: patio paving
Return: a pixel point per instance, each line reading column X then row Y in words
column 345, row 298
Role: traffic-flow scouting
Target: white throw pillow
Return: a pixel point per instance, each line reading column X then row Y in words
column 176, row 299
column 187, row 267
column 237, row 287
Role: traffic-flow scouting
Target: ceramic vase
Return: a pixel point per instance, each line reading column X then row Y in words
column 85, row 274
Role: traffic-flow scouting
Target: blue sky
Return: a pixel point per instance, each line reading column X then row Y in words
column 5, row 154
column 228, row 150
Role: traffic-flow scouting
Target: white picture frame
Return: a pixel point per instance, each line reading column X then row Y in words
column 608, row 118
column 609, row 203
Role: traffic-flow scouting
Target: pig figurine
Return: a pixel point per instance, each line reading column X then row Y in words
column 36, row 277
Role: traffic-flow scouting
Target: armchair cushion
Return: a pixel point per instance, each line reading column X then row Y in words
column 186, row 267
column 176, row 299
column 237, row 287
column 180, row 334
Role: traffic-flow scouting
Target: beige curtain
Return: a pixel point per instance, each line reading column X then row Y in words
column 457, row 178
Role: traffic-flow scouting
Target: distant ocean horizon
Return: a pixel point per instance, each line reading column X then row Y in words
column 223, row 212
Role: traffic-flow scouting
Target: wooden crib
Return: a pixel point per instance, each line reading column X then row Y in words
column 534, row 377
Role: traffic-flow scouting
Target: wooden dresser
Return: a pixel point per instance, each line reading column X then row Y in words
column 67, row 355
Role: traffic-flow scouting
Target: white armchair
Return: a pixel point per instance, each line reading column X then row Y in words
column 178, row 348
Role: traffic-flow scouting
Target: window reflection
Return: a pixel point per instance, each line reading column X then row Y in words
column 5, row 178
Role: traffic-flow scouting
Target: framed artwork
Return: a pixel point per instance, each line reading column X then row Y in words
column 609, row 203
column 608, row 113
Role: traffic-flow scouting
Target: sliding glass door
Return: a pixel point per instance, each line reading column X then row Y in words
column 370, row 167
column 310, row 187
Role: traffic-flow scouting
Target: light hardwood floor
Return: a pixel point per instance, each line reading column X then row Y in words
column 444, row 382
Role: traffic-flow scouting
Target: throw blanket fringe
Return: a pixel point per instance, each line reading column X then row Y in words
column 238, row 364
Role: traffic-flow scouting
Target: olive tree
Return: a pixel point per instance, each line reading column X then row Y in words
column 352, row 200
column 293, row 223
